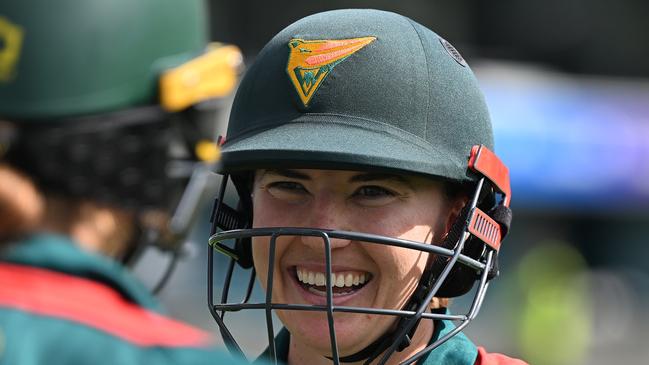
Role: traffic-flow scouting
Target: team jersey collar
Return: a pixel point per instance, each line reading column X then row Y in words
column 458, row 350
column 58, row 253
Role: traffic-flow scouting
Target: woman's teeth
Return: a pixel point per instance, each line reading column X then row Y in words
column 339, row 279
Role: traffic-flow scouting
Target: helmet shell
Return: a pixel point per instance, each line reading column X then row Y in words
column 67, row 58
column 405, row 101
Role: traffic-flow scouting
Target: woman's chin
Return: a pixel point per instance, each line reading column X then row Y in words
column 353, row 332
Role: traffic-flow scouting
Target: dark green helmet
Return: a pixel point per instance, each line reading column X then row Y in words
column 365, row 90
column 371, row 90
column 109, row 99
column 70, row 57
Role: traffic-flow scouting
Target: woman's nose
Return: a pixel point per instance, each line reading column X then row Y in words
column 327, row 214
column 318, row 242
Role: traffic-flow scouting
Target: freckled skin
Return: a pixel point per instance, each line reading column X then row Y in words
column 412, row 208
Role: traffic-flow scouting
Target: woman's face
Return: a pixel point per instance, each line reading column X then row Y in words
column 365, row 275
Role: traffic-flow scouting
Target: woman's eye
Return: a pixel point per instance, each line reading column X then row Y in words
column 287, row 185
column 373, row 192
column 287, row 190
column 373, row 196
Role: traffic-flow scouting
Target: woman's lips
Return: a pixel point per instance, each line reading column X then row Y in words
column 339, row 279
column 311, row 284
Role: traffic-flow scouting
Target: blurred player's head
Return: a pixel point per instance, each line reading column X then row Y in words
column 359, row 144
column 105, row 113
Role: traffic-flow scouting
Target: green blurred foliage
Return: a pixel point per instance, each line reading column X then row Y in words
column 555, row 319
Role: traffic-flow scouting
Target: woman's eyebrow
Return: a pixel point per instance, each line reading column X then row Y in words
column 377, row 176
column 286, row 173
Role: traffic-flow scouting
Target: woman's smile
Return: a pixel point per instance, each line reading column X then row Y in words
column 342, row 282
column 311, row 285
column 353, row 274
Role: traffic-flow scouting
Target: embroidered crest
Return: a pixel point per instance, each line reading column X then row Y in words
column 310, row 62
column 11, row 37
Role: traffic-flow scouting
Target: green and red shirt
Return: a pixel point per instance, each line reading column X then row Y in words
column 61, row 305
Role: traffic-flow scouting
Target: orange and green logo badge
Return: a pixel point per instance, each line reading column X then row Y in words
column 310, row 62
column 11, row 37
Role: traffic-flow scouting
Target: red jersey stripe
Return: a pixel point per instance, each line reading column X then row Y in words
column 58, row 295
column 485, row 358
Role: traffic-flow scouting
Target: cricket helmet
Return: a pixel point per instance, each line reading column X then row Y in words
column 111, row 100
column 372, row 91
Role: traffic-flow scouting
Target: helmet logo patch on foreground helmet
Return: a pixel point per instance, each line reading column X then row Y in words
column 310, row 62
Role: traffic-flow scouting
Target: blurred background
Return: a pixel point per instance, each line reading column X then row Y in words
column 567, row 83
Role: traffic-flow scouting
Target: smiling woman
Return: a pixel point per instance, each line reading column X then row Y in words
column 364, row 275
column 366, row 196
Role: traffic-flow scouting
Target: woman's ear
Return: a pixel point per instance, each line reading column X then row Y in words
column 454, row 209
column 106, row 229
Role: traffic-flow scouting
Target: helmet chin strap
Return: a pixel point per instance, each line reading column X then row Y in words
column 425, row 285
column 373, row 350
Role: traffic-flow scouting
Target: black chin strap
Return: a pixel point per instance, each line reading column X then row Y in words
column 376, row 348
column 433, row 269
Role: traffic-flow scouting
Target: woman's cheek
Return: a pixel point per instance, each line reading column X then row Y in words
column 375, row 221
column 260, row 259
column 269, row 212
